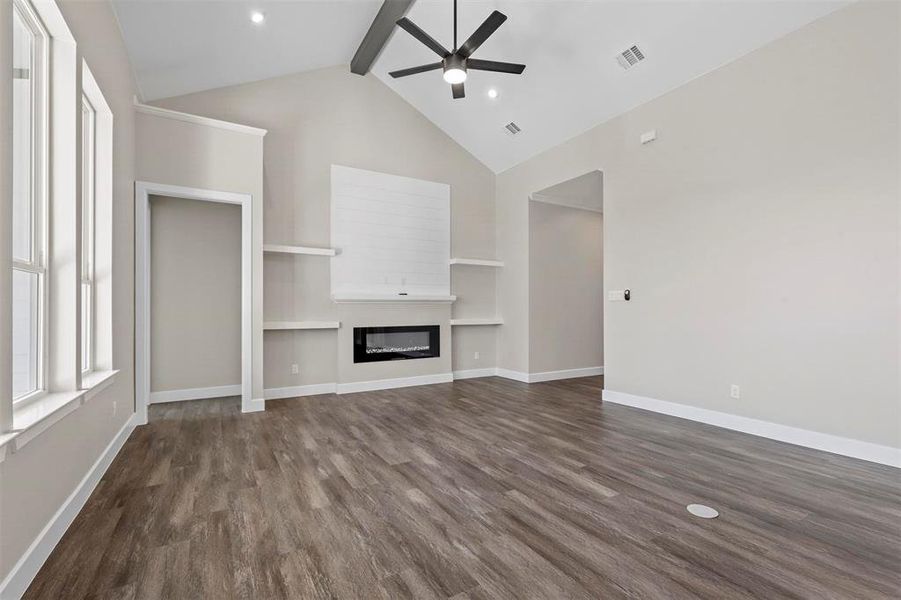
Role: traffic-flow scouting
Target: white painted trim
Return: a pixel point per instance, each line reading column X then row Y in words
column 175, row 115
column 294, row 391
column 390, row 298
column 276, row 325
column 220, row 391
column 876, row 453
column 477, row 262
column 514, row 375
column 529, row 377
column 493, row 321
column 565, row 374
column 536, row 197
column 143, row 191
column 473, row 373
column 398, row 382
column 282, row 249
column 255, row 405
column 30, row 563
column 32, row 418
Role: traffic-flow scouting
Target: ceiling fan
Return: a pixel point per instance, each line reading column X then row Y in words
column 455, row 63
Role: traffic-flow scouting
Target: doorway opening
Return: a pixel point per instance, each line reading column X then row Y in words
column 186, row 312
column 566, row 278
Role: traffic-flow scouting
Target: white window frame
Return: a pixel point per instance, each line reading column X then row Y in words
column 88, row 188
column 40, row 77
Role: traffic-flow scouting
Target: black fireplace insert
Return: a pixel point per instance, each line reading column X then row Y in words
column 373, row 344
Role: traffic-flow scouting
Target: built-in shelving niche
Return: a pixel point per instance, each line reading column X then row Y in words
column 308, row 250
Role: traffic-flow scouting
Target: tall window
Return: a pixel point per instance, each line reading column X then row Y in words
column 30, row 114
column 88, row 186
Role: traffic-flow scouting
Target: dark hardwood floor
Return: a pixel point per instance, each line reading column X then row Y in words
column 482, row 488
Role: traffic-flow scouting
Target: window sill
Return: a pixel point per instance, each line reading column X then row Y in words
column 32, row 418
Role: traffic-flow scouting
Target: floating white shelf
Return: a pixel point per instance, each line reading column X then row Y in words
column 348, row 298
column 477, row 262
column 496, row 321
column 276, row 325
column 276, row 248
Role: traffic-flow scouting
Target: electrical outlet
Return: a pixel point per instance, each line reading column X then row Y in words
column 295, row 369
column 735, row 391
column 476, row 355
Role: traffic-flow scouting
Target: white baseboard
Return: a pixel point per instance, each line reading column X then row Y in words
column 300, row 390
column 255, row 405
column 219, row 391
column 876, row 453
column 473, row 373
column 548, row 375
column 30, row 563
column 514, row 375
column 398, row 382
column 565, row 374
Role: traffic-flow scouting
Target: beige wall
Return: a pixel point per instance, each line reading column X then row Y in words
column 566, row 288
column 759, row 233
column 195, row 297
column 188, row 154
column 330, row 116
column 37, row 479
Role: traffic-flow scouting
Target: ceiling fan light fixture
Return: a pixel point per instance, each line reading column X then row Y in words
column 454, row 75
column 454, row 69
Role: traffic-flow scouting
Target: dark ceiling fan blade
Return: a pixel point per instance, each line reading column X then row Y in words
column 415, row 70
column 481, row 34
column 493, row 65
column 458, row 91
column 414, row 30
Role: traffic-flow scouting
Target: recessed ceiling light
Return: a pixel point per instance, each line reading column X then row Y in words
column 257, row 17
column 492, row 93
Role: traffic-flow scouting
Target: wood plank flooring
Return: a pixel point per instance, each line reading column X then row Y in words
column 479, row 489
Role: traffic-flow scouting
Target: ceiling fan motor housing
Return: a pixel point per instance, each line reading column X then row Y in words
column 454, row 61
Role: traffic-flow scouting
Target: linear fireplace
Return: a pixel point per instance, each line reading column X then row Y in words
column 373, row 344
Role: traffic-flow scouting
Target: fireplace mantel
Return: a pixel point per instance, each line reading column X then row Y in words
column 391, row 298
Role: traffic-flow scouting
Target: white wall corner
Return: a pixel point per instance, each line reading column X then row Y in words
column 885, row 455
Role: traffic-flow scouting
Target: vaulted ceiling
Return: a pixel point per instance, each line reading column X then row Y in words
column 571, row 83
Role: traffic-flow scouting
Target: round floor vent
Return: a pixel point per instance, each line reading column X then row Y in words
column 705, row 512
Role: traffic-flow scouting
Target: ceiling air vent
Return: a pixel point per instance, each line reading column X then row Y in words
column 630, row 57
column 512, row 128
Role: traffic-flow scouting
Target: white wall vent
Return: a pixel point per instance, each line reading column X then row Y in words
column 512, row 128
column 630, row 57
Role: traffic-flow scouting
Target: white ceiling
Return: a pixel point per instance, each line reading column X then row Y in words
column 571, row 83
column 181, row 46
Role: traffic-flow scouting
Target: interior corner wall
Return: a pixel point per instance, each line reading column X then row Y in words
column 195, row 295
column 30, row 492
column 331, row 116
column 758, row 233
column 174, row 152
column 566, row 288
